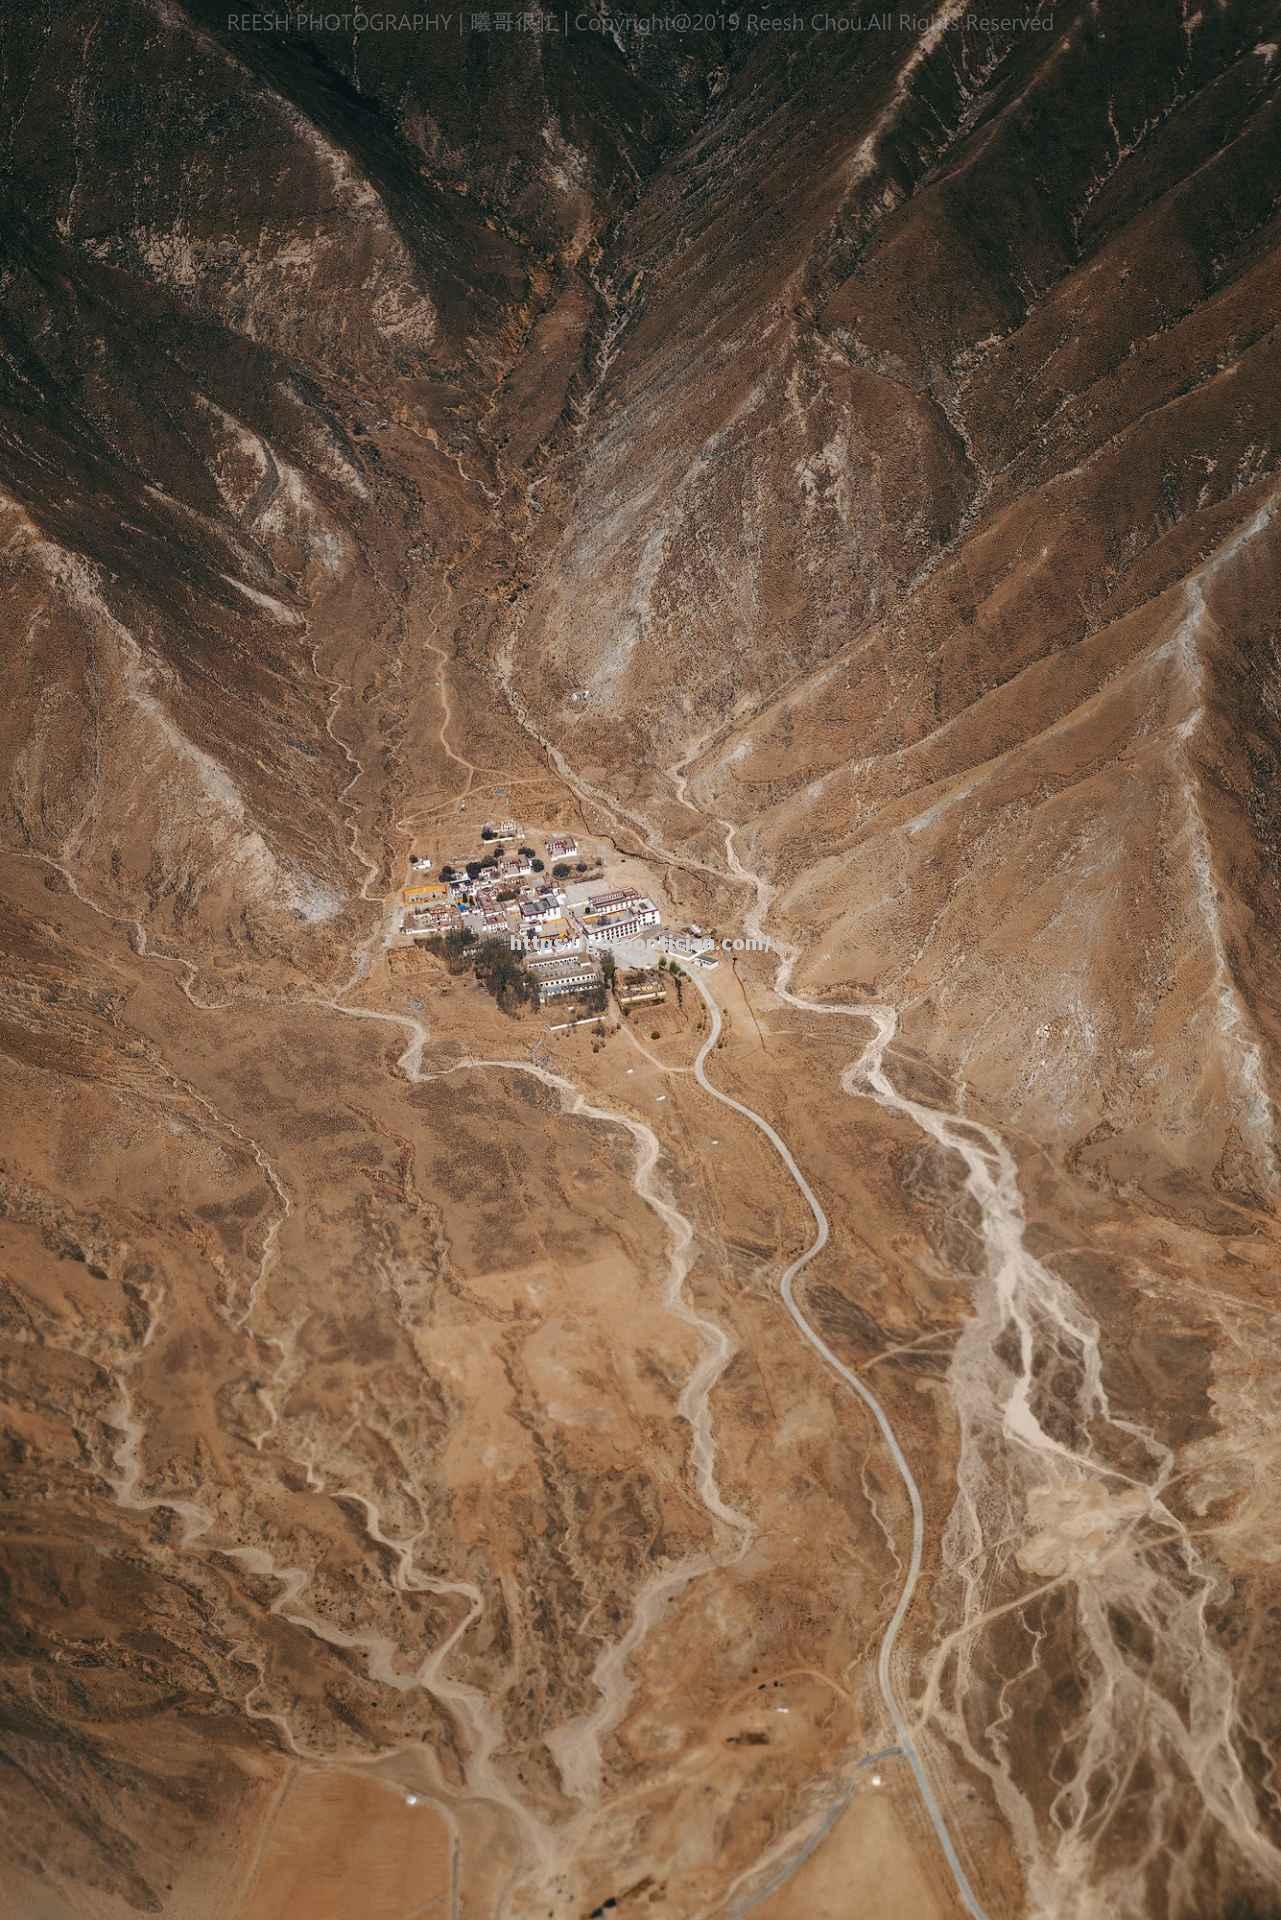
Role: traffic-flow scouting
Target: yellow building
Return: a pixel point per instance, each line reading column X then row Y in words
column 424, row 893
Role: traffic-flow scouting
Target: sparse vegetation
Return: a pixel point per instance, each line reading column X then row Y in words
column 493, row 962
column 454, row 948
column 503, row 973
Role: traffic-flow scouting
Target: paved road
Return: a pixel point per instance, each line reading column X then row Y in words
column 969, row 1899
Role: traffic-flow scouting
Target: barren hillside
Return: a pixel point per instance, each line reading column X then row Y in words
column 803, row 1449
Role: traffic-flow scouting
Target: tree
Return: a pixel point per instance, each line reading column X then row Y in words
column 454, row 948
column 487, row 833
column 560, row 871
column 609, row 967
column 527, row 853
column 580, row 866
column 473, row 869
column 447, row 873
column 503, row 973
column 539, row 866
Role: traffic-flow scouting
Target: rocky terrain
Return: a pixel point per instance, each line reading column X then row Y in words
column 811, row 1456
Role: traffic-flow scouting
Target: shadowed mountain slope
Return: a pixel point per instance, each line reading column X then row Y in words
column 831, row 471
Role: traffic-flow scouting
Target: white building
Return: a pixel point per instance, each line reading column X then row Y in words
column 603, row 929
column 427, row 923
column 607, row 899
column 549, row 934
column 574, row 974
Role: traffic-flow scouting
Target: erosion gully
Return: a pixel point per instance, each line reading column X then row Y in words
column 1179, row 1719
column 1037, row 1430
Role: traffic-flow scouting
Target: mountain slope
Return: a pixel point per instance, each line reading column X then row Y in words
column 836, row 474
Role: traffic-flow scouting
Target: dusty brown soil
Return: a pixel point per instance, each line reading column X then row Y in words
column 882, row 431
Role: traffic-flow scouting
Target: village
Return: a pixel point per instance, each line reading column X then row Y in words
column 573, row 931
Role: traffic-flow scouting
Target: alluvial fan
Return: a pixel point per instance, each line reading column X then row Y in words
column 639, row 1020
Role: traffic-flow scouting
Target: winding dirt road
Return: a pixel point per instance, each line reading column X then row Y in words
column 885, row 1024
column 1010, row 1466
column 1008, row 1460
column 1038, row 1437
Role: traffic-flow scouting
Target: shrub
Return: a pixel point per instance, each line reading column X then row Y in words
column 503, row 973
column 454, row 948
